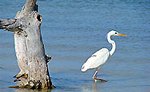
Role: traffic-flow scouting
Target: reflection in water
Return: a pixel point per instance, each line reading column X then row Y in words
column 92, row 88
column 31, row 90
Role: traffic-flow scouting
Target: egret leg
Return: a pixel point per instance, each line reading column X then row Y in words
column 95, row 78
column 95, row 74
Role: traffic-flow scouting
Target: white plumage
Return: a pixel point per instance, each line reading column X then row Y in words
column 94, row 61
column 101, row 56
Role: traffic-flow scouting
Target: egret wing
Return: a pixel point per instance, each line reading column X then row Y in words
column 98, row 58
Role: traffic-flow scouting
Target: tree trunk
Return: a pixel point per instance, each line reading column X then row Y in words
column 29, row 47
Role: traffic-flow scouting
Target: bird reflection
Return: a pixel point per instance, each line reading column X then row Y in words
column 93, row 87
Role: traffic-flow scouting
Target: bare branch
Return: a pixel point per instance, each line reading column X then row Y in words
column 6, row 22
column 10, row 25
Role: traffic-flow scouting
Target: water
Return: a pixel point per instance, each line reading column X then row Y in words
column 74, row 29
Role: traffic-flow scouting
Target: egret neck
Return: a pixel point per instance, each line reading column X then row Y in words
column 112, row 43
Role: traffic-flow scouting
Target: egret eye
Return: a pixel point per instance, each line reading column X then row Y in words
column 116, row 33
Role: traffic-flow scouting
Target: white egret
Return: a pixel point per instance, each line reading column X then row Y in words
column 101, row 56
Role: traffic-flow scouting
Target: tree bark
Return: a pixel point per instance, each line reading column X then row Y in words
column 29, row 47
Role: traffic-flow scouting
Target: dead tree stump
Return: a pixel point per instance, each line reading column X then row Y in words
column 29, row 47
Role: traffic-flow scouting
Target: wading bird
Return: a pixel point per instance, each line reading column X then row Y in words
column 101, row 56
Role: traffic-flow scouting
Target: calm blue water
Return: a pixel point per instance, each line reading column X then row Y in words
column 74, row 29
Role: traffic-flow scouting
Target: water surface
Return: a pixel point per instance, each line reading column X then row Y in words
column 74, row 29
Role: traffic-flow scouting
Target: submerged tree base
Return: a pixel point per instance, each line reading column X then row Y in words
column 29, row 87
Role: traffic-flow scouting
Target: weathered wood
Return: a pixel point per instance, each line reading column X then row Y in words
column 29, row 47
column 10, row 24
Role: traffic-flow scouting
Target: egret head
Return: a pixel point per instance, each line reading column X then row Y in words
column 115, row 33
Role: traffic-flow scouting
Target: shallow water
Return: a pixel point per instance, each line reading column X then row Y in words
column 74, row 29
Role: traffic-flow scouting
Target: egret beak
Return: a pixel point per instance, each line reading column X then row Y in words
column 122, row 34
